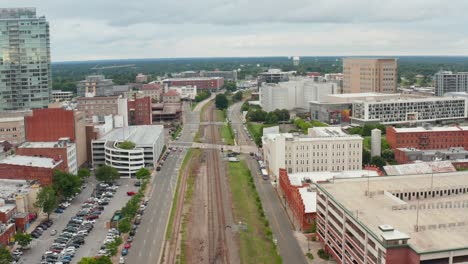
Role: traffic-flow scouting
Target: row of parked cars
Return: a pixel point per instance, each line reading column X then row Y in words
column 78, row 228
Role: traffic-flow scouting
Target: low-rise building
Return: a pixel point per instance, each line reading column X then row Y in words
column 323, row 149
column 410, row 111
column 103, row 106
column 63, row 149
column 410, row 155
column 12, row 129
column 420, row 168
column 149, row 143
column 141, row 78
column 227, row 75
column 186, row 92
column 140, row 111
column 428, row 137
column 396, row 219
column 202, row 83
column 30, row 168
column 299, row 192
column 166, row 112
column 58, row 95
column 171, row 97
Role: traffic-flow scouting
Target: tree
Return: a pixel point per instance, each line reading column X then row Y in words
column 5, row 255
column 113, row 247
column 103, row 260
column 143, row 174
column 378, row 161
column 366, row 156
column 47, row 200
column 388, row 154
column 66, row 184
column 124, row 225
column 230, row 86
column 83, row 173
column 107, row 173
column 256, row 115
column 96, row 260
column 271, row 118
column 237, row 96
column 245, row 106
column 23, row 239
column 221, row 101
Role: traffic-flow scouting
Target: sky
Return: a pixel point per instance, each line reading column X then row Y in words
column 122, row 29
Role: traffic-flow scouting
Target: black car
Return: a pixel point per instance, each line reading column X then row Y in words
column 35, row 234
column 49, row 223
column 132, row 233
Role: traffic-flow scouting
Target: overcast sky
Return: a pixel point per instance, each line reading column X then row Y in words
column 119, row 29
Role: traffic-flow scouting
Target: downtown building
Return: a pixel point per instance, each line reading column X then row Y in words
column 202, row 83
column 428, row 137
column 323, row 149
column 410, row 111
column 149, row 143
column 395, row 219
column 25, row 71
column 366, row 75
column 449, row 82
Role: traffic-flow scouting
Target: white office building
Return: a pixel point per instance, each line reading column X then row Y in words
column 186, row 92
column 323, row 149
column 448, row 82
column 294, row 94
column 149, row 143
column 415, row 110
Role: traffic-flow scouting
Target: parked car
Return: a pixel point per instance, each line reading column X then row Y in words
column 124, row 252
column 131, row 193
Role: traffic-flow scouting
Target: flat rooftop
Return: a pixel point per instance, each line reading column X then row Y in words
column 309, row 198
column 30, row 161
column 52, row 144
column 327, row 132
column 444, row 228
column 11, row 119
column 431, row 129
column 358, row 95
column 420, row 168
column 140, row 135
column 9, row 188
column 297, row 179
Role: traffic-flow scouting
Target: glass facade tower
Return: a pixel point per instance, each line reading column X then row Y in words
column 25, row 71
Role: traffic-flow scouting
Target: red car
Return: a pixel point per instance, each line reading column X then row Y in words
column 92, row 217
column 128, row 245
column 131, row 193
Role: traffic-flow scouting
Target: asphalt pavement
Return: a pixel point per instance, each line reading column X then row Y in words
column 282, row 228
column 148, row 243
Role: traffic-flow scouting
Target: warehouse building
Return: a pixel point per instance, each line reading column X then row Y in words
column 395, row 219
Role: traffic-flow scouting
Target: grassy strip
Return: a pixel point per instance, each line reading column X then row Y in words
column 177, row 132
column 256, row 131
column 187, row 157
column 187, row 202
column 256, row 243
column 220, row 115
column 227, row 134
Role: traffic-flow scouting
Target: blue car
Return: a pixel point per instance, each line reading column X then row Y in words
column 59, row 210
column 124, row 252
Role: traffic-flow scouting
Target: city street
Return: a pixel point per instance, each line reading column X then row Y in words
column 282, row 229
column 149, row 239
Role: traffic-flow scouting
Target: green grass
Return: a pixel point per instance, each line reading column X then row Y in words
column 256, row 131
column 256, row 244
column 187, row 157
column 220, row 115
column 227, row 134
column 177, row 132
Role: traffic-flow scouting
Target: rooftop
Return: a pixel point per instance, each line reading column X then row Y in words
column 430, row 129
column 140, row 135
column 52, row 144
column 327, row 132
column 192, row 79
column 420, row 168
column 171, row 93
column 309, row 198
column 9, row 188
column 11, row 119
column 30, row 161
column 297, row 179
column 439, row 229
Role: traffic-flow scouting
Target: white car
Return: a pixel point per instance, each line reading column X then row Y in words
column 142, row 207
column 121, row 260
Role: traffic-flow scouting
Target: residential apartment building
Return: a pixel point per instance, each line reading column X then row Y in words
column 296, row 93
column 202, row 83
column 63, row 149
column 149, row 143
column 95, row 85
column 449, row 82
column 323, row 149
column 428, row 137
column 404, row 111
column 407, row 219
column 52, row 124
column 363, row 75
column 103, row 106
column 140, row 111
column 25, row 73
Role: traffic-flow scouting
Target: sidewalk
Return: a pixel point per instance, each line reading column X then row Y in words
column 314, row 246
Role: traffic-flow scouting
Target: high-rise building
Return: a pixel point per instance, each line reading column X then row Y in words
column 447, row 82
column 369, row 75
column 95, row 85
column 25, row 74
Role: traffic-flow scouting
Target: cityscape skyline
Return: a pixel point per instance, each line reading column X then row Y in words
column 238, row 29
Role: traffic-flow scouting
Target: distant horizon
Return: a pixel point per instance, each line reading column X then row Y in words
column 260, row 57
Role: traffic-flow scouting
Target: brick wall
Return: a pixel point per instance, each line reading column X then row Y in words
column 53, row 153
column 50, row 125
column 427, row 139
column 140, row 111
column 17, row 172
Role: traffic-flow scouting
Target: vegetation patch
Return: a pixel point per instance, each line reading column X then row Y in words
column 256, row 241
column 227, row 134
column 126, row 145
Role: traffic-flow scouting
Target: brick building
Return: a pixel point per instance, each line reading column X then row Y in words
column 428, row 137
column 7, row 231
column 140, row 111
column 49, row 125
column 103, row 106
column 166, row 112
column 30, row 168
column 202, row 83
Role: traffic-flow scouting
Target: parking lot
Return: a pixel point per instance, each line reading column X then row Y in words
column 95, row 238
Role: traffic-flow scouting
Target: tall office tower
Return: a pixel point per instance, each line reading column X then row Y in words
column 25, row 74
column 447, row 81
column 363, row 75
